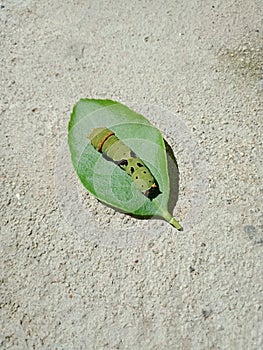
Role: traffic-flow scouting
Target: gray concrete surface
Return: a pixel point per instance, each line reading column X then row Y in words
column 195, row 68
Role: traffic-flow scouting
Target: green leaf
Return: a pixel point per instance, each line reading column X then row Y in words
column 104, row 179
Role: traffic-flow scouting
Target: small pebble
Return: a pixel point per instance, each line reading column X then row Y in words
column 250, row 229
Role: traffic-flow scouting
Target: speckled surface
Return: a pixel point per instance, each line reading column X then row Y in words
column 195, row 69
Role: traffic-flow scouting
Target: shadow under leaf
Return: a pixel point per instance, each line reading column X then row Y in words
column 173, row 173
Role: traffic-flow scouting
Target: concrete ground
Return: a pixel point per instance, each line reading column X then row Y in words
column 76, row 274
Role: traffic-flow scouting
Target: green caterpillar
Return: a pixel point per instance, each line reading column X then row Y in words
column 106, row 142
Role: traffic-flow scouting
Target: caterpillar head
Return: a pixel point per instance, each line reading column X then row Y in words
column 146, row 183
column 142, row 177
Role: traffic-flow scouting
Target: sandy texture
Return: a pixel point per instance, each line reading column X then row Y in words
column 195, row 69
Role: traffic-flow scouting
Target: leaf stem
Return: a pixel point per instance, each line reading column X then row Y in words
column 172, row 220
column 176, row 224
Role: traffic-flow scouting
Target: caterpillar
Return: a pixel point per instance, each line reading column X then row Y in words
column 106, row 142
